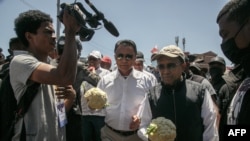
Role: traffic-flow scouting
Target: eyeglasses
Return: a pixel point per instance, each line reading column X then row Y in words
column 170, row 66
column 128, row 57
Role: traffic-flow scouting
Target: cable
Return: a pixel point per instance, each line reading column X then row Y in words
column 28, row 4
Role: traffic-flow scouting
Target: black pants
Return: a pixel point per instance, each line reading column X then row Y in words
column 73, row 128
column 91, row 127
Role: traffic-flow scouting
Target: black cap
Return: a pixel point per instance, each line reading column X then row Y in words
column 217, row 59
column 139, row 56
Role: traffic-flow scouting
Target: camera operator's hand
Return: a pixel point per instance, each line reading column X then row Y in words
column 70, row 23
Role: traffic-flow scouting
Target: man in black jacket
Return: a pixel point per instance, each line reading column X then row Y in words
column 186, row 103
column 234, row 29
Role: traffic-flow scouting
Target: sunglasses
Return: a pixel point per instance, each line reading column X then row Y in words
column 128, row 57
column 170, row 66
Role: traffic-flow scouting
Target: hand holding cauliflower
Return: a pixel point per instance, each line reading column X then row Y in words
column 96, row 98
column 161, row 129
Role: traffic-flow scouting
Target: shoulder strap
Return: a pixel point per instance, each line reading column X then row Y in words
column 22, row 108
column 25, row 101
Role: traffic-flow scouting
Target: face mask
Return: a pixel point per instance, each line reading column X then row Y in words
column 230, row 49
column 215, row 72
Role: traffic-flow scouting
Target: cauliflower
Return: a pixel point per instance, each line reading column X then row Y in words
column 96, row 98
column 161, row 129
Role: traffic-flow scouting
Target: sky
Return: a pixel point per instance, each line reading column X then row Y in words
column 149, row 23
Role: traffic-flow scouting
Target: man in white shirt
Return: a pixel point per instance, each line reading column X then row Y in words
column 126, row 90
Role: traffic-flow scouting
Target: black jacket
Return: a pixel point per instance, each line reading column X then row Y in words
column 182, row 105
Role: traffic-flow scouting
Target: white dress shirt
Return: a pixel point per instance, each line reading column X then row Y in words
column 151, row 77
column 126, row 97
column 208, row 113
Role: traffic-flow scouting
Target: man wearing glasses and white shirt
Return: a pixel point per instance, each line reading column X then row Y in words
column 126, row 90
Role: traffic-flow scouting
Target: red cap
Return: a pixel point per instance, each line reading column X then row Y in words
column 106, row 59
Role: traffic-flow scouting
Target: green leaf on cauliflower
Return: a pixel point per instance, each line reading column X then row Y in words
column 161, row 129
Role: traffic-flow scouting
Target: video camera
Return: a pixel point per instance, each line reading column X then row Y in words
column 88, row 21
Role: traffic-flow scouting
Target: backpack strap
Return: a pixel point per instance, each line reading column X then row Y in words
column 25, row 101
column 22, row 108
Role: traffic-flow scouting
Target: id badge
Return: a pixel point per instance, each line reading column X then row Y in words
column 60, row 107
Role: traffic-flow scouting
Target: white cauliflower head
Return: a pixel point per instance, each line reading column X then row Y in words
column 161, row 129
column 96, row 98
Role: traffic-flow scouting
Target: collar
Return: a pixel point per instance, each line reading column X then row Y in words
column 177, row 84
column 134, row 73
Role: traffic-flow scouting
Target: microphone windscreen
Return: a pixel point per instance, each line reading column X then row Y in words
column 111, row 28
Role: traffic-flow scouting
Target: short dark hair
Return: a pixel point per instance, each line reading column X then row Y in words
column 13, row 40
column 30, row 21
column 15, row 44
column 126, row 42
column 238, row 10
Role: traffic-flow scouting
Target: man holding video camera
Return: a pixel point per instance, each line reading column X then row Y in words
column 35, row 30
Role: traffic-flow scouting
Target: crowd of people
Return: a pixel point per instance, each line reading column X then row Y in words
column 176, row 89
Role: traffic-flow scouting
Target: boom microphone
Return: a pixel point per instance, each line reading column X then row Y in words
column 109, row 26
column 88, row 22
